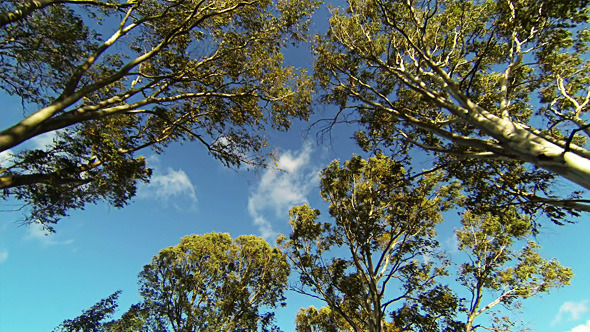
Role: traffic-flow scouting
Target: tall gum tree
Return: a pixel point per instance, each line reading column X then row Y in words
column 207, row 282
column 111, row 78
column 498, row 84
column 497, row 273
column 379, row 267
column 367, row 261
column 212, row 282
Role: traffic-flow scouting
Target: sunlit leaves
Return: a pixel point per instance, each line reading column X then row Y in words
column 383, row 222
column 379, row 267
column 159, row 72
column 473, row 82
column 210, row 282
column 496, row 266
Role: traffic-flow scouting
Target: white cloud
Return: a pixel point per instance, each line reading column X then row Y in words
column 573, row 310
column 38, row 233
column 582, row 328
column 44, row 140
column 3, row 256
column 5, row 156
column 452, row 243
column 170, row 186
column 279, row 190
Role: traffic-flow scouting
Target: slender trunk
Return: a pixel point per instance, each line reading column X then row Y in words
column 473, row 313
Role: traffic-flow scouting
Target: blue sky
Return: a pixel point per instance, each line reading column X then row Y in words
column 45, row 279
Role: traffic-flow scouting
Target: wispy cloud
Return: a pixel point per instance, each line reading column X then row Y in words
column 582, row 328
column 3, row 256
column 5, row 156
column 43, row 140
column 571, row 311
column 452, row 243
column 169, row 187
column 36, row 232
column 279, row 190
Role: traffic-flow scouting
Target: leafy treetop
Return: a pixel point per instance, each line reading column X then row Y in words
column 110, row 78
column 498, row 90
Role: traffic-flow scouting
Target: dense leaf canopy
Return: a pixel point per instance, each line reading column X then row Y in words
column 207, row 282
column 213, row 283
column 497, row 90
column 378, row 266
column 110, row 78
column 366, row 261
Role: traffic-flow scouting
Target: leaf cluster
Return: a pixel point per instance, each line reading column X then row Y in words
column 138, row 75
column 195, row 288
column 378, row 266
column 489, row 85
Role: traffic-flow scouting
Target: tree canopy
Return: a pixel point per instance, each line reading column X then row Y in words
column 495, row 266
column 207, row 282
column 213, row 283
column 92, row 318
column 110, row 78
column 498, row 90
column 379, row 267
column 383, row 224
column 377, row 264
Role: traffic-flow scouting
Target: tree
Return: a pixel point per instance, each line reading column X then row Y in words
column 137, row 318
column 92, row 319
column 384, row 224
column 213, row 283
column 489, row 242
column 490, row 87
column 205, row 283
column 111, row 78
column 326, row 320
column 323, row 320
column 378, row 266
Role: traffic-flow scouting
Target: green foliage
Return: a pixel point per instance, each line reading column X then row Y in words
column 137, row 318
column 205, row 283
column 496, row 91
column 325, row 320
column 379, row 267
column 494, row 266
column 91, row 319
column 384, row 223
column 137, row 75
column 213, row 283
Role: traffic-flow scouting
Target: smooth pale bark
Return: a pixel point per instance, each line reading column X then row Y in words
column 27, row 8
column 521, row 143
column 515, row 141
column 415, row 60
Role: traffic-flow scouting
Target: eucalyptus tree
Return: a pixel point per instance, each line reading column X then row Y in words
column 207, row 282
column 377, row 265
column 499, row 90
column 370, row 259
column 500, row 273
column 96, row 319
column 92, row 319
column 110, row 78
column 213, row 283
